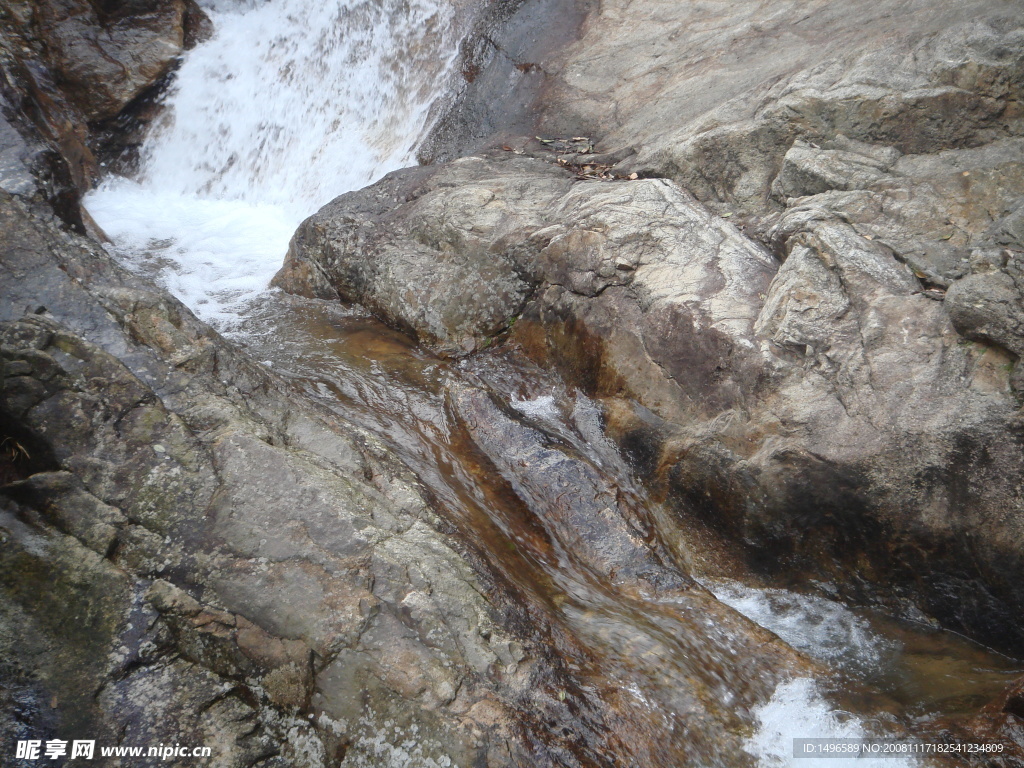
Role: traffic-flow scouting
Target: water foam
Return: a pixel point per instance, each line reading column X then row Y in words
column 798, row 710
column 823, row 629
column 214, row 255
column 541, row 407
column 291, row 103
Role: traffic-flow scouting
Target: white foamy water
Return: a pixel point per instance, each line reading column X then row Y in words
column 798, row 710
column 542, row 407
column 291, row 103
column 823, row 629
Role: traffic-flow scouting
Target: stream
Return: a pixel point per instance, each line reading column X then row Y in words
column 683, row 659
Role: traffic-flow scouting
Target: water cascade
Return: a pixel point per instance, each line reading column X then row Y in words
column 293, row 102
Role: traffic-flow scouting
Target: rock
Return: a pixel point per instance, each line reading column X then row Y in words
column 505, row 62
column 272, row 581
column 310, row 567
column 806, row 407
column 69, row 508
column 263, row 576
column 1015, row 700
column 999, row 722
column 807, row 170
column 799, row 382
column 453, row 286
column 105, row 60
column 604, row 537
column 719, row 113
column 16, row 161
column 33, row 169
column 813, row 411
column 989, row 307
column 587, row 519
column 935, row 212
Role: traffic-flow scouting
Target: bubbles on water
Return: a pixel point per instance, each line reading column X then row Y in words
column 823, row 629
column 289, row 104
column 798, row 710
column 216, row 256
column 541, row 407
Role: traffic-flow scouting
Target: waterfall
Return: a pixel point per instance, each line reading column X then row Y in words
column 293, row 102
column 289, row 104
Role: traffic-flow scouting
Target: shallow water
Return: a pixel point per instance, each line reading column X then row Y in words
column 293, row 102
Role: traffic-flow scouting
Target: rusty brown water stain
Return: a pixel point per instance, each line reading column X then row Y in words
column 663, row 670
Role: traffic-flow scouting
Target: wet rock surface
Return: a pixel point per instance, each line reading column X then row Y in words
column 245, row 570
column 505, row 62
column 451, row 281
column 833, row 379
column 105, row 54
column 239, row 567
column 798, row 305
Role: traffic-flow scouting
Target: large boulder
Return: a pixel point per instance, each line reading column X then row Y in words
column 821, row 407
column 443, row 267
column 833, row 380
column 102, row 64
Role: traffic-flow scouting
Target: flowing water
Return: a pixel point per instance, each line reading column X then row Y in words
column 293, row 102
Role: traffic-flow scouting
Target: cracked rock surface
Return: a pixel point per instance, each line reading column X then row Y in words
column 803, row 317
column 198, row 555
column 802, row 321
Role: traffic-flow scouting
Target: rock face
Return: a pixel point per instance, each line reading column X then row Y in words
column 300, row 584
column 716, row 99
column 449, row 280
column 191, row 552
column 104, row 55
column 194, row 553
column 504, row 63
column 198, row 556
column 802, row 319
column 831, row 379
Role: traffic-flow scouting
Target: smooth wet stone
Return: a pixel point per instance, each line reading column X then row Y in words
column 213, row 584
